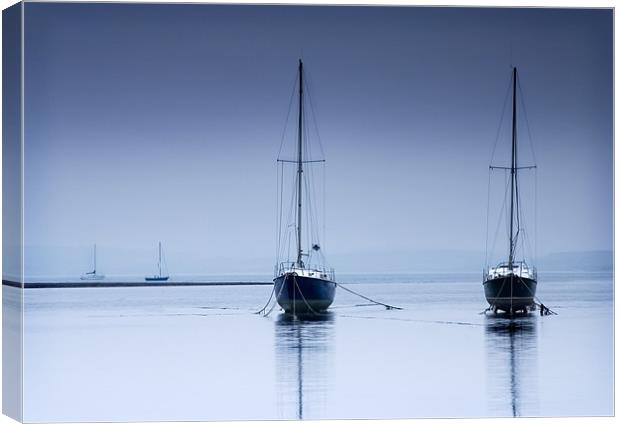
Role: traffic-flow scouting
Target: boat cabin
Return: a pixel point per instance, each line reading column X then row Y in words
column 520, row 269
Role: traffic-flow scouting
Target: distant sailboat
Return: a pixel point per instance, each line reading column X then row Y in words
column 301, row 287
column 159, row 276
column 93, row 276
column 510, row 286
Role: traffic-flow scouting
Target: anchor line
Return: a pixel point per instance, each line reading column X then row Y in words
column 536, row 297
column 367, row 298
column 273, row 289
column 276, row 299
column 269, row 301
column 304, row 298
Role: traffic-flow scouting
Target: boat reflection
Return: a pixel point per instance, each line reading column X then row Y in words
column 303, row 345
column 511, row 346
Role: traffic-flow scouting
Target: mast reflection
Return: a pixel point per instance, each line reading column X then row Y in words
column 302, row 363
column 511, row 362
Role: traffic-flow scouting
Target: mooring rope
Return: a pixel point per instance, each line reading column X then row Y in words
column 304, row 298
column 273, row 289
column 367, row 298
column 269, row 301
column 270, row 309
column 544, row 309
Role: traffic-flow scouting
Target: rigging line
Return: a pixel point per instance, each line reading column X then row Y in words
column 311, row 193
column 290, row 219
column 313, row 189
column 313, row 230
column 526, row 239
column 288, row 114
column 523, row 229
column 520, row 217
column 282, row 219
column 288, row 249
column 308, row 211
column 535, row 216
column 309, row 84
column 504, row 203
column 486, row 240
column 306, row 130
column 290, row 214
column 504, row 213
column 517, row 202
column 298, row 215
column 323, row 240
column 367, row 298
column 313, row 113
column 508, row 217
column 316, row 229
column 311, row 226
column 527, row 121
column 282, row 226
column 308, row 178
column 531, row 244
column 501, row 120
column 278, row 209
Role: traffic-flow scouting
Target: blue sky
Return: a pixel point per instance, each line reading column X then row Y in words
column 163, row 122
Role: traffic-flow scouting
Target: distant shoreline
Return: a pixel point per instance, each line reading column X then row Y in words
column 95, row 284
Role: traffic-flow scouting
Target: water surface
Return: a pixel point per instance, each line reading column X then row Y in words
column 199, row 353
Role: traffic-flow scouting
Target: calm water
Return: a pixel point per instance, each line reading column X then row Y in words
column 198, row 353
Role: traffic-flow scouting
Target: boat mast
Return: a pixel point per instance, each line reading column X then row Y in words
column 299, row 163
column 159, row 259
column 513, row 165
column 95, row 259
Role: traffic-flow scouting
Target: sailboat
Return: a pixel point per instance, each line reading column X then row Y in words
column 299, row 287
column 159, row 276
column 92, row 275
column 510, row 286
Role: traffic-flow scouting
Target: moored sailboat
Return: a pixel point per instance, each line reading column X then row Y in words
column 92, row 275
column 510, row 286
column 302, row 287
column 159, row 276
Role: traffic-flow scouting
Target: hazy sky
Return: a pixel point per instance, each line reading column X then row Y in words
column 163, row 122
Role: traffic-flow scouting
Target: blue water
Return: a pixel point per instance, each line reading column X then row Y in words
column 199, row 353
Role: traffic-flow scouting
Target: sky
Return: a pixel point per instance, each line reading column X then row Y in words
column 149, row 122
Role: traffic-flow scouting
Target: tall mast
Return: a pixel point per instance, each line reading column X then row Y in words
column 299, row 162
column 95, row 259
column 159, row 259
column 513, row 165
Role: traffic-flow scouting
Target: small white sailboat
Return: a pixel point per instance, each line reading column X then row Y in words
column 92, row 275
column 160, row 276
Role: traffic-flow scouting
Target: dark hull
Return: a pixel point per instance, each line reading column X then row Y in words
column 300, row 295
column 510, row 293
column 156, row 278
